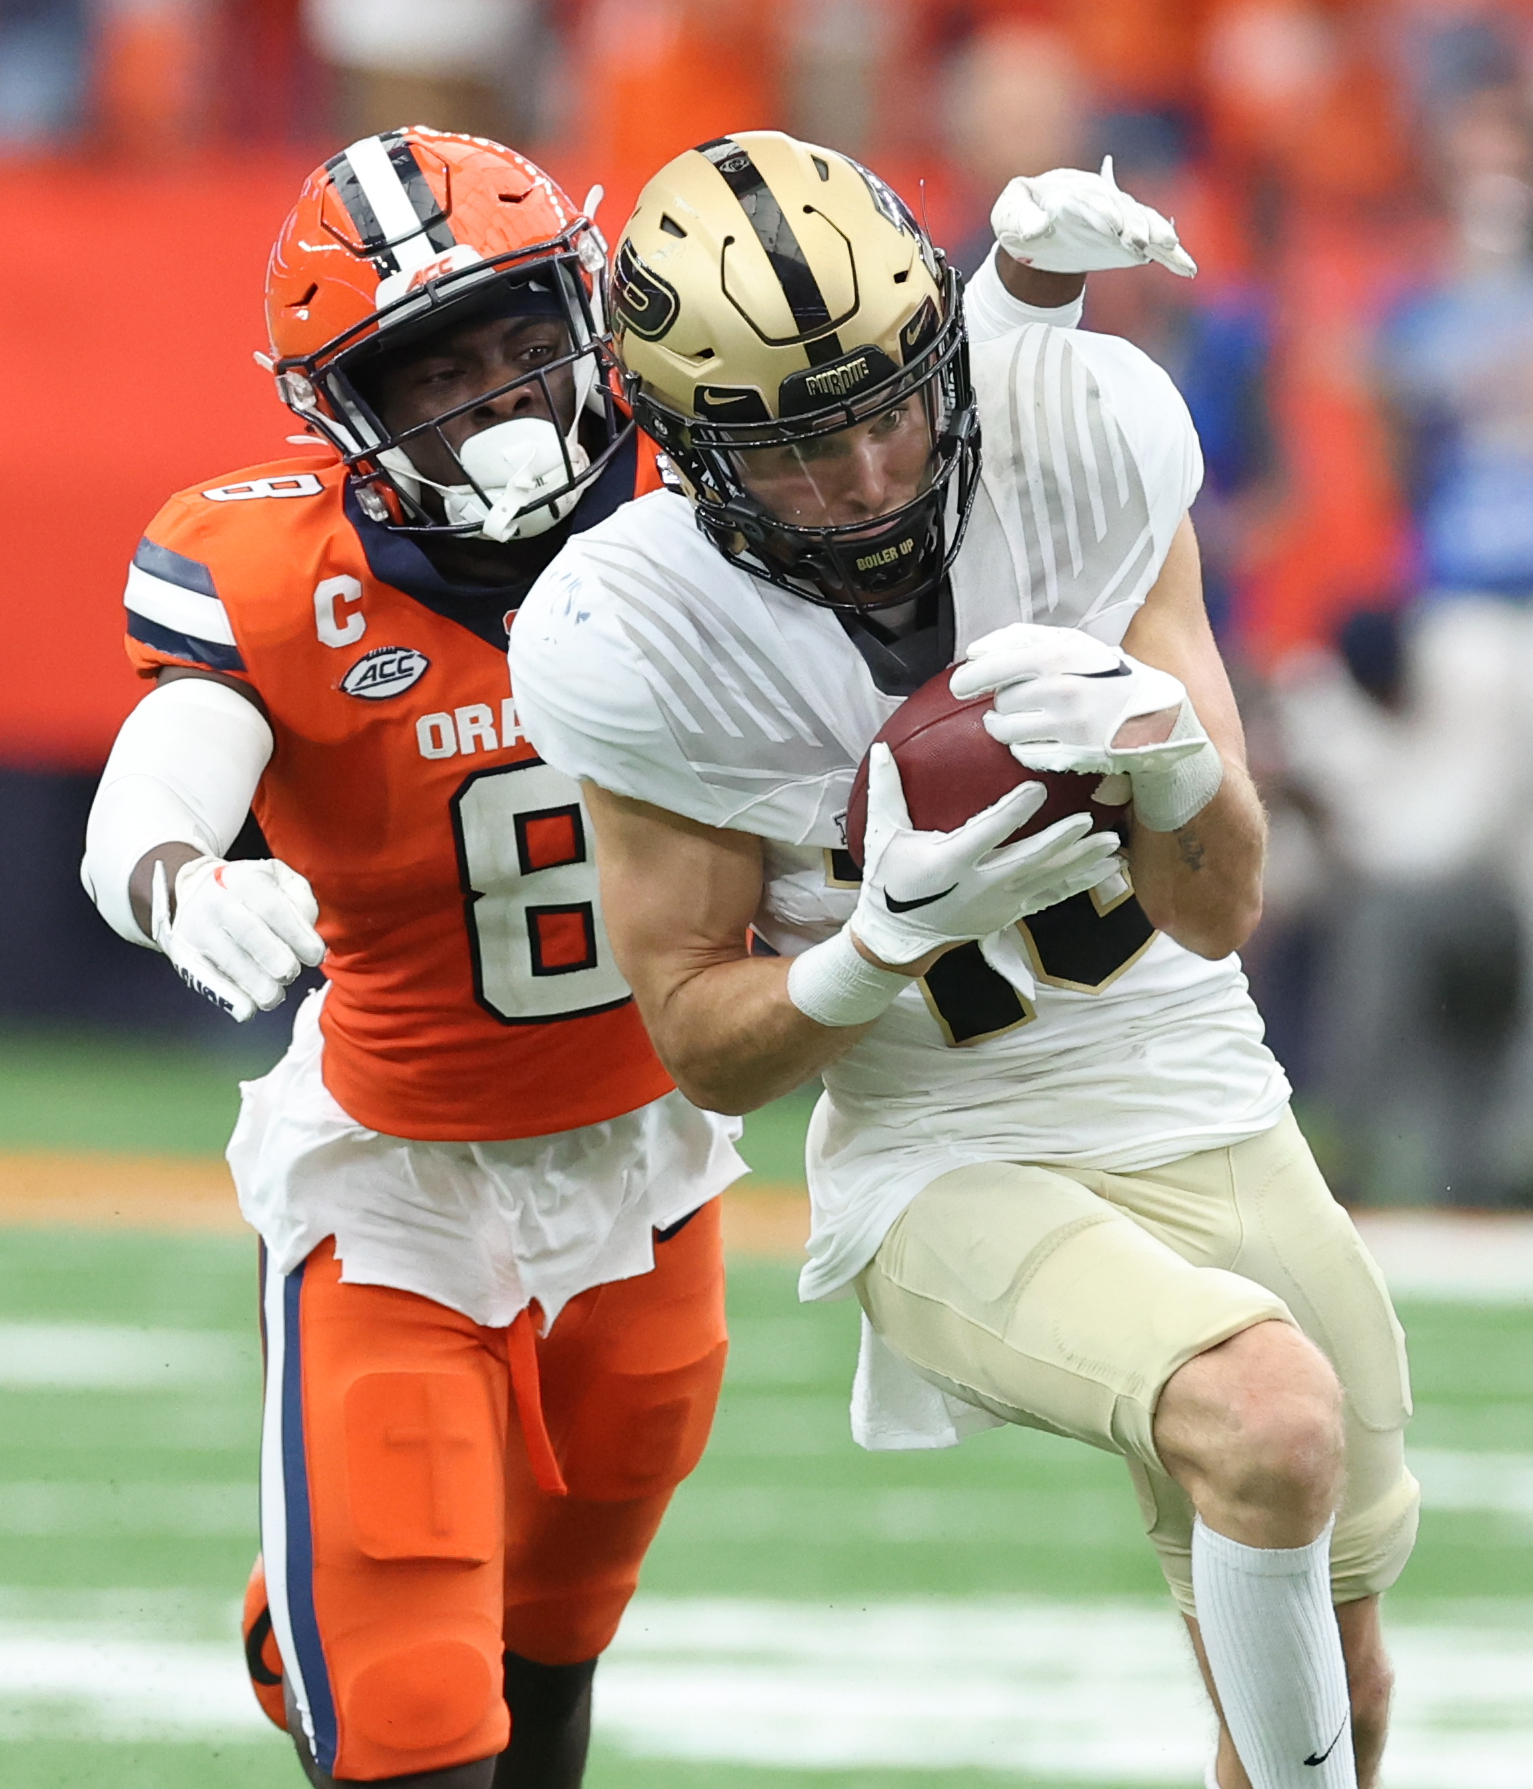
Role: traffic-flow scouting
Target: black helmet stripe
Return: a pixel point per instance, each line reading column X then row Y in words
column 418, row 191
column 390, row 203
column 783, row 248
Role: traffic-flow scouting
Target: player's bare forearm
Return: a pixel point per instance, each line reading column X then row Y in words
column 732, row 1040
column 175, row 858
column 1032, row 285
column 1202, row 885
column 678, row 898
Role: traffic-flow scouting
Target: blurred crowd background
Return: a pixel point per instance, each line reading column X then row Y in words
column 1355, row 178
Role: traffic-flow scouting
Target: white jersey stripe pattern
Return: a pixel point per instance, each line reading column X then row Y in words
column 1070, row 528
column 716, row 685
column 174, row 606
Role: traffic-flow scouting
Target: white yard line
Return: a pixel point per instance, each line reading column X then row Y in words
column 1485, row 1259
column 1082, row 1692
column 114, row 1357
column 79, row 1686
column 1072, row 1691
column 1483, row 1483
column 1424, row 1254
column 43, row 1507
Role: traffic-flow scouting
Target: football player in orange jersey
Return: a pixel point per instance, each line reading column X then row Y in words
column 492, row 1283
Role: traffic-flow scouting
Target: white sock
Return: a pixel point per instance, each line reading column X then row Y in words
column 1270, row 1633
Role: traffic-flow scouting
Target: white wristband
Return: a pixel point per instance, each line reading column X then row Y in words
column 1167, row 796
column 834, row 984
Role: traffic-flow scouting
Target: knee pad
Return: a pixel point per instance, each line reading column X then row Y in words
column 570, row 1577
column 429, row 1704
column 1370, row 1547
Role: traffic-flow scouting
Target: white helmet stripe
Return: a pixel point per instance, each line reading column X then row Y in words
column 400, row 222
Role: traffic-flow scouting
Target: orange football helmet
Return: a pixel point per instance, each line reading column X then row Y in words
column 417, row 230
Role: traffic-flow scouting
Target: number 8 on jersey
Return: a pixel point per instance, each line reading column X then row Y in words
column 529, row 889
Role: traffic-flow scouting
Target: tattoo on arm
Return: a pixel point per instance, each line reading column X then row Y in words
column 1190, row 849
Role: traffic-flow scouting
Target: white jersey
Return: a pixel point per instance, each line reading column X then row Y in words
column 647, row 663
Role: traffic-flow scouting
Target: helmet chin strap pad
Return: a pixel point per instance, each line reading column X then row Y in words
column 857, row 573
column 512, row 463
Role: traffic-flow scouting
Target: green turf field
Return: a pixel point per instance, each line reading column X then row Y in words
column 795, row 1573
column 810, row 1616
column 73, row 1090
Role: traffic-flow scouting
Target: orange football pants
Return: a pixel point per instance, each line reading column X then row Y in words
column 406, row 1539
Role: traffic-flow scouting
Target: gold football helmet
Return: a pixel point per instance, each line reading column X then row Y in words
column 765, row 293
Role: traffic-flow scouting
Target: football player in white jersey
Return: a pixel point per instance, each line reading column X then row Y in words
column 1054, row 1159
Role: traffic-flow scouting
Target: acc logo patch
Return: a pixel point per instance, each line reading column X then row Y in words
column 385, row 671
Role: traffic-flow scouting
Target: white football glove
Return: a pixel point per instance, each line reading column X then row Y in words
column 1061, row 698
column 1069, row 221
column 241, row 933
column 922, row 891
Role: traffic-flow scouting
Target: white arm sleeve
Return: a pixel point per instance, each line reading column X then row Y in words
column 990, row 310
column 183, row 771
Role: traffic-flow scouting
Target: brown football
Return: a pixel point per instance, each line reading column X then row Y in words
column 952, row 769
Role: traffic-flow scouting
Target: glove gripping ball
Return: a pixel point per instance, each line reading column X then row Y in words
column 952, row 769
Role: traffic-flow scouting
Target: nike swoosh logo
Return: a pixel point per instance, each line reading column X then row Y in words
column 1116, row 671
column 897, row 906
column 1321, row 1758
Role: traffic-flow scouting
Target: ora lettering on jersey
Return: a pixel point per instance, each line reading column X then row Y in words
column 468, row 729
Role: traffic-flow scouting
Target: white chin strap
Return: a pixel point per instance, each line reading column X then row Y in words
column 514, row 464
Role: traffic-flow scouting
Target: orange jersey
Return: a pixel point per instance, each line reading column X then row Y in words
column 473, row 994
